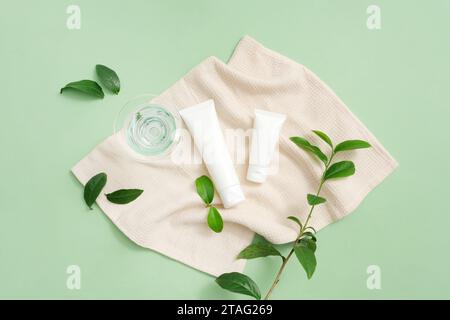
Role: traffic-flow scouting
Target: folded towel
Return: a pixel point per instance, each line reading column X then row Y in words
column 169, row 217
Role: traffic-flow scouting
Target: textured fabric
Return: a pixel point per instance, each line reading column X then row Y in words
column 169, row 217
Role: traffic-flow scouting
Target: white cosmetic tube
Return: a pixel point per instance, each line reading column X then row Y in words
column 204, row 127
column 265, row 135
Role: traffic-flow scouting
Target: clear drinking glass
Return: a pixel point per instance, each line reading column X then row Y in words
column 149, row 129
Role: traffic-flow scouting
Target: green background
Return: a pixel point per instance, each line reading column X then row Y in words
column 396, row 80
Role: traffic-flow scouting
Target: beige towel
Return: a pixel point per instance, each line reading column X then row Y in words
column 169, row 217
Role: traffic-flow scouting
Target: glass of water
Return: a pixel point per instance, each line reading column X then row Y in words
column 149, row 129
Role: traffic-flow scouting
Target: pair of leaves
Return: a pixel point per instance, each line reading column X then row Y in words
column 300, row 224
column 205, row 189
column 343, row 146
column 96, row 184
column 108, row 78
column 239, row 283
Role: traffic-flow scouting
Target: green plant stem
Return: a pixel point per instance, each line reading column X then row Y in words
column 277, row 278
column 302, row 230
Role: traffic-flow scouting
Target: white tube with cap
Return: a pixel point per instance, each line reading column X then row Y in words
column 266, row 131
column 204, row 127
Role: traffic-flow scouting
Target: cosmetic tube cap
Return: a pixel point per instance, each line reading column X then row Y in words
column 256, row 174
column 231, row 196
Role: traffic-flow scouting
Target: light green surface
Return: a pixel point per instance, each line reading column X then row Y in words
column 396, row 80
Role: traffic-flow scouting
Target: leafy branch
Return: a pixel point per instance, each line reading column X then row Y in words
column 95, row 185
column 305, row 244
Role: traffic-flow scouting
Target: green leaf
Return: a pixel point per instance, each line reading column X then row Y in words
column 296, row 220
column 93, row 188
column 306, row 257
column 259, row 250
column 324, row 137
column 85, row 86
column 124, row 196
column 239, row 283
column 108, row 78
column 205, row 189
column 305, row 145
column 340, row 170
column 215, row 221
column 315, row 200
column 309, row 243
column 351, row 145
